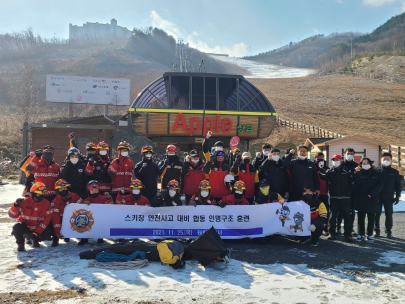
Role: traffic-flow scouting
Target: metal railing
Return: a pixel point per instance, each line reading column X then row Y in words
column 308, row 129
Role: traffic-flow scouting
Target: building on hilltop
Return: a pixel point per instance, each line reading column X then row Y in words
column 98, row 31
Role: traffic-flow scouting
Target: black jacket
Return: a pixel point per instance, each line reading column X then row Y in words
column 392, row 184
column 76, row 177
column 100, row 173
column 351, row 165
column 170, row 170
column 259, row 160
column 147, row 172
column 260, row 198
column 303, row 173
column 277, row 176
column 163, row 199
column 368, row 182
column 340, row 180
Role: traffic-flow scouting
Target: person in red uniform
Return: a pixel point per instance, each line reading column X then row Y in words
column 63, row 197
column 217, row 169
column 94, row 197
column 203, row 196
column 237, row 198
column 121, row 170
column 247, row 173
column 135, row 197
column 45, row 171
column 33, row 214
column 97, row 167
column 193, row 174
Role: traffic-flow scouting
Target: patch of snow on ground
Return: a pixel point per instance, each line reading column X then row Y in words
column 391, row 257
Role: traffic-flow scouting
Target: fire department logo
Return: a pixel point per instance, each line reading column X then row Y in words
column 81, row 220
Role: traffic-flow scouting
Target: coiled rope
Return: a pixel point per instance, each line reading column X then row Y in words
column 110, row 260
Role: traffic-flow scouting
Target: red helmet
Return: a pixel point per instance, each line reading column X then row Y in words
column 136, row 184
column 123, row 145
column 91, row 146
column 61, row 183
column 205, row 184
column 171, row 148
column 102, row 145
column 93, row 184
column 173, row 184
column 239, row 185
column 38, row 188
column 146, row 149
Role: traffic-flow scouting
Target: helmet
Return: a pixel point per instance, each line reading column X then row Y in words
column 173, row 184
column 123, row 145
column 171, row 148
column 136, row 184
column 146, row 149
column 48, row 148
column 102, row 145
column 91, row 146
column 61, row 183
column 93, row 184
column 73, row 151
column 228, row 178
column 264, row 183
column 239, row 185
column 38, row 188
column 205, row 184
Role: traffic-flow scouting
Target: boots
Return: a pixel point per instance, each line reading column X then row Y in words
column 55, row 241
column 83, row 241
column 28, row 241
column 100, row 241
column 67, row 240
column 35, row 244
column 21, row 247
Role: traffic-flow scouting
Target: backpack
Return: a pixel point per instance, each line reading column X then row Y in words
column 171, row 252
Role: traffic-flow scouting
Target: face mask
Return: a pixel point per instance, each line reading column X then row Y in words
column 366, row 167
column 148, row 156
column 265, row 190
column 172, row 193
column 37, row 197
column 195, row 161
column 124, row 154
column 93, row 195
column 246, row 160
column 136, row 191
column 349, row 157
column 47, row 156
column 91, row 152
column 266, row 153
column 74, row 161
column 386, row 163
column 302, row 157
column 219, row 149
column 204, row 193
column 64, row 193
column 308, row 197
column 238, row 194
column 276, row 158
column 103, row 152
column 336, row 163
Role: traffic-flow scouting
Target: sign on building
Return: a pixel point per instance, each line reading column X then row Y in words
column 91, row 90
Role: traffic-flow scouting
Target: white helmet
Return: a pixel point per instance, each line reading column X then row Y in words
column 228, row 179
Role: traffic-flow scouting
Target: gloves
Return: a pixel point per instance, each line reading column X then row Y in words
column 187, row 159
column 396, row 201
column 117, row 161
column 222, row 204
column 38, row 153
column 71, row 136
column 34, row 237
column 321, row 164
column 193, row 203
column 59, row 236
column 18, row 202
column 312, row 228
column 32, row 154
column 107, row 194
column 87, row 203
column 208, row 135
column 91, row 161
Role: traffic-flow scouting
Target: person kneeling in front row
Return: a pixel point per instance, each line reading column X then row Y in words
column 237, row 198
column 204, row 196
column 168, row 197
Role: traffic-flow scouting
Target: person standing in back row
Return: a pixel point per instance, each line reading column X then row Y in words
column 147, row 172
column 170, row 168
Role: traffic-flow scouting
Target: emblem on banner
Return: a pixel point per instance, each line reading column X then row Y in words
column 298, row 220
column 81, row 220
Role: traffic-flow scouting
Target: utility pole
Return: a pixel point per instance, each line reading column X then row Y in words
column 351, row 47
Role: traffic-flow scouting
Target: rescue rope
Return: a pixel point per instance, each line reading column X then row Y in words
column 110, row 260
column 119, row 265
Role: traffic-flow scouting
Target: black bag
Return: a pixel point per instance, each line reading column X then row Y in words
column 208, row 247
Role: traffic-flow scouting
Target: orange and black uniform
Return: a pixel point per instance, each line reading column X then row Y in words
column 319, row 215
column 231, row 200
column 45, row 172
column 97, row 168
column 99, row 199
column 170, row 169
column 199, row 200
column 131, row 199
column 58, row 206
column 121, row 171
column 248, row 174
column 193, row 174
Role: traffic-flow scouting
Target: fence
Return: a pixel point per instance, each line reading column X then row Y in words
column 398, row 155
column 308, row 129
column 368, row 76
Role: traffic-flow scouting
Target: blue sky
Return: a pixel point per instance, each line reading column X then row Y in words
column 236, row 27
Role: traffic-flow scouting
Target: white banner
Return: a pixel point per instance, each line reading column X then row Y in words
column 91, row 90
column 231, row 222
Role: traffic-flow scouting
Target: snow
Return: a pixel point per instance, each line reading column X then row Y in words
column 51, row 268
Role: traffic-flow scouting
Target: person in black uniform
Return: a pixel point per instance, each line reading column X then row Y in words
column 147, row 172
column 73, row 172
column 170, row 168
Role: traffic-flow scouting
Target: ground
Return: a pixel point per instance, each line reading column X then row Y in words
column 281, row 271
column 382, row 65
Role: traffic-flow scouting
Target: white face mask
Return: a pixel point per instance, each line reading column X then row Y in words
column 302, row 157
column 266, row 153
column 124, row 154
column 386, row 163
column 103, row 152
column 366, row 167
column 276, row 158
column 349, row 157
column 74, row 160
column 204, row 193
column 239, row 192
column 172, row 193
column 195, row 161
column 136, row 191
column 170, row 154
column 148, row 155
column 219, row 149
column 336, row 163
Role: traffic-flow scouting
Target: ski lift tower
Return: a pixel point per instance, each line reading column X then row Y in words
column 181, row 63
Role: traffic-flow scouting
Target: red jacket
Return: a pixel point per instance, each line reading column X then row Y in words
column 216, row 178
column 121, row 171
column 231, row 200
column 58, row 206
column 324, row 186
column 250, row 178
column 45, row 172
column 192, row 179
column 129, row 199
column 36, row 215
column 100, row 199
column 198, row 199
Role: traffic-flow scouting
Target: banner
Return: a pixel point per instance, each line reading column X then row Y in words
column 231, row 222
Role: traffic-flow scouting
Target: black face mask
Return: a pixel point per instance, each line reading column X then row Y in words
column 171, row 158
column 37, row 197
column 308, row 197
column 48, row 156
column 238, row 196
column 93, row 195
column 91, row 153
column 64, row 193
column 246, row 161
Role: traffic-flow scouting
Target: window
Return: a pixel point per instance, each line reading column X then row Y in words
column 198, row 93
column 228, row 94
column 210, row 93
column 155, row 95
column 180, row 94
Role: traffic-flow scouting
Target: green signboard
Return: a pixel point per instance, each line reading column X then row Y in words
column 283, row 146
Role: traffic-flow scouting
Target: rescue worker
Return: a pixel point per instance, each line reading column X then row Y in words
column 217, row 169
column 318, row 214
column 168, row 197
column 97, row 167
column 261, row 158
column 94, row 197
column 170, row 168
column 121, row 170
column 247, row 173
column 203, row 196
column 218, row 146
column 45, row 171
column 237, row 198
column 147, row 172
column 33, row 215
column 29, row 178
column 265, row 195
column 135, row 197
column 73, row 172
column 233, row 156
column 193, row 174
column 323, row 185
column 91, row 149
column 63, row 197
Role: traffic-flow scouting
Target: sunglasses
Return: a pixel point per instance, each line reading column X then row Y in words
column 303, row 152
column 220, row 154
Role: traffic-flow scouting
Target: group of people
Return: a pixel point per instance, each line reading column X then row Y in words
column 233, row 178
